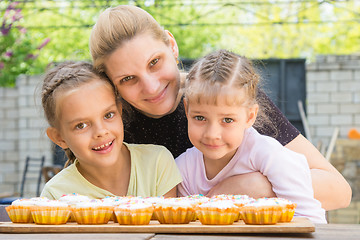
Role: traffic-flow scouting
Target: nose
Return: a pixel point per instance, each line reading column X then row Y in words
column 212, row 131
column 150, row 84
column 100, row 130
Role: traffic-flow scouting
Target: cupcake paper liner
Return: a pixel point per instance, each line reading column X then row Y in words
column 170, row 215
column 19, row 214
column 212, row 216
column 265, row 215
column 134, row 216
column 93, row 215
column 50, row 215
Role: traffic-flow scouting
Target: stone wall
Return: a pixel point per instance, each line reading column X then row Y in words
column 22, row 133
column 333, row 96
column 346, row 159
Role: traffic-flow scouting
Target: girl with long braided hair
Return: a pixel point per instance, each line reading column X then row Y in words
column 85, row 119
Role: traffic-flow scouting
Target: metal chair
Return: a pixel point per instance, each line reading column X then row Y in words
column 32, row 171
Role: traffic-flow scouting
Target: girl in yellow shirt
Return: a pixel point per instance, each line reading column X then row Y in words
column 84, row 115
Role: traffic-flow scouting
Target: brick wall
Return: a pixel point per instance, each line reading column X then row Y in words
column 22, row 132
column 333, row 100
column 333, row 96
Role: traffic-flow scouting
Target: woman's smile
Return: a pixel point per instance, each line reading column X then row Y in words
column 159, row 97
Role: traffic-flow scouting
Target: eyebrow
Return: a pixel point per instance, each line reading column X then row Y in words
column 81, row 119
column 148, row 60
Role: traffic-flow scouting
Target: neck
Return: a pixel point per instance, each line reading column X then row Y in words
column 214, row 166
column 114, row 178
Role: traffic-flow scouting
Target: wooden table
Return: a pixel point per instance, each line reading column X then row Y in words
column 323, row 231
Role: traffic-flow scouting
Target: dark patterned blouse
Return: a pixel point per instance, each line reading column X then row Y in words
column 171, row 130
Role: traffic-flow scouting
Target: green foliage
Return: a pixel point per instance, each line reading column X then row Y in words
column 257, row 29
column 18, row 52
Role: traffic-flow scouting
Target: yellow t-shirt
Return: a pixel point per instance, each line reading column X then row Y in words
column 153, row 173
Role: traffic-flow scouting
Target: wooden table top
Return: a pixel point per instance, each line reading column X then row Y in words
column 322, row 231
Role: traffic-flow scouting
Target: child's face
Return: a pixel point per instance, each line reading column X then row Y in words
column 90, row 124
column 218, row 130
column 144, row 71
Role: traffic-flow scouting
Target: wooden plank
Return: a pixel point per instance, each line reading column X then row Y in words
column 298, row 225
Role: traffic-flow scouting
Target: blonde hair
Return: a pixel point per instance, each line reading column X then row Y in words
column 65, row 77
column 221, row 72
column 117, row 25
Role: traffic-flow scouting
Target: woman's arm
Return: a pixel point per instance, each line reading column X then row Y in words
column 330, row 187
column 252, row 184
column 171, row 193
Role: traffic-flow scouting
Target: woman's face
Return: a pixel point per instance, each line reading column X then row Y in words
column 145, row 72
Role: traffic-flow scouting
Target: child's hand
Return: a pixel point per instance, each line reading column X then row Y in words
column 252, row 184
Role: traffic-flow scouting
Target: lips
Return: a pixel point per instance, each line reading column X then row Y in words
column 212, row 146
column 103, row 147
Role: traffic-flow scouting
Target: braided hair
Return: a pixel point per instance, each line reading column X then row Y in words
column 219, row 73
column 64, row 77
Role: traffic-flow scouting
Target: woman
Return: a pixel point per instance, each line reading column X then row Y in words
column 140, row 58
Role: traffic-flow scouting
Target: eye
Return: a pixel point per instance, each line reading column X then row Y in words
column 228, row 120
column 154, row 62
column 81, row 126
column 199, row 118
column 126, row 79
column 109, row 115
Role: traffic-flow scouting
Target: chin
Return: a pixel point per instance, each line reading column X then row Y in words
column 162, row 110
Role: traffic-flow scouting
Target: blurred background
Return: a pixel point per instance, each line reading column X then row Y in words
column 257, row 29
column 307, row 51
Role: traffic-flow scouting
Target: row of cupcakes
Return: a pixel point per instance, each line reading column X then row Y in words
column 220, row 209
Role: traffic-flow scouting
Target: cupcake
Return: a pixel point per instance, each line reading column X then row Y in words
column 71, row 200
column 222, row 197
column 288, row 209
column 154, row 201
column 219, row 212
column 134, row 212
column 94, row 211
column 51, row 212
column 261, row 211
column 197, row 199
column 114, row 201
column 19, row 211
column 174, row 211
column 241, row 200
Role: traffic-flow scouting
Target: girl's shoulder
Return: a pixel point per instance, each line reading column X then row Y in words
column 67, row 173
column 145, row 148
column 149, row 154
column 190, row 156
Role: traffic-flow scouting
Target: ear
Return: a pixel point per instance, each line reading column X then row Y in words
column 55, row 136
column 252, row 115
column 174, row 46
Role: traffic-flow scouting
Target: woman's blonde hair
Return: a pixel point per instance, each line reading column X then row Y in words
column 117, row 25
column 64, row 77
column 221, row 72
